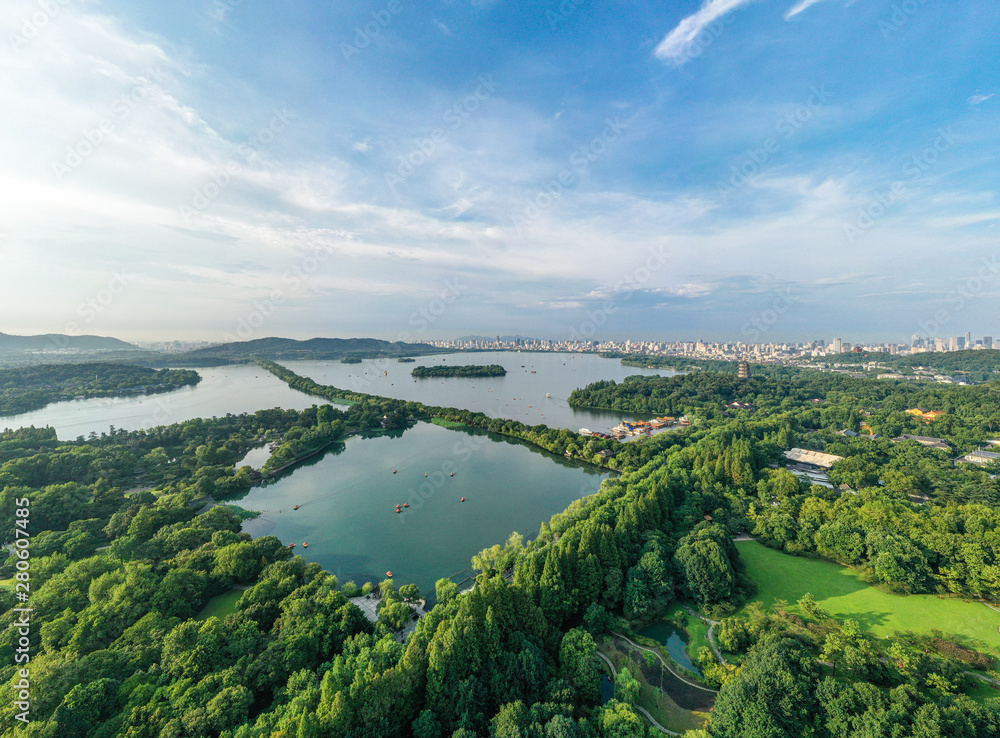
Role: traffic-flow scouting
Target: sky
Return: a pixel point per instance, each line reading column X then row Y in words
column 767, row 170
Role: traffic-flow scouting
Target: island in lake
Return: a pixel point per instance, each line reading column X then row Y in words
column 467, row 370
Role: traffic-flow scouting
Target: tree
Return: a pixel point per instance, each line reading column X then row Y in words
column 771, row 696
column 627, row 687
column 446, row 590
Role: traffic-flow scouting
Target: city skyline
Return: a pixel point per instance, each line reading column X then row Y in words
column 338, row 171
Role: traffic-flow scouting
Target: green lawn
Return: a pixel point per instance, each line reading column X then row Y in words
column 8, row 583
column 841, row 592
column 450, row 424
column 696, row 629
column 220, row 605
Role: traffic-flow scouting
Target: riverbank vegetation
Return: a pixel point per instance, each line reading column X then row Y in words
column 465, row 370
column 32, row 388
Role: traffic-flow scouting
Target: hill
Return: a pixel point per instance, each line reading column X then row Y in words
column 59, row 341
column 314, row 348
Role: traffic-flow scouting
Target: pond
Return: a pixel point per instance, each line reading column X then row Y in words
column 674, row 640
column 347, row 500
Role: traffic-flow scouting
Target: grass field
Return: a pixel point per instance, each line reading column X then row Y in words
column 842, row 593
column 220, row 605
column 696, row 629
column 450, row 424
column 8, row 583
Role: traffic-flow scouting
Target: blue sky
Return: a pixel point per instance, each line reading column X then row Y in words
column 212, row 169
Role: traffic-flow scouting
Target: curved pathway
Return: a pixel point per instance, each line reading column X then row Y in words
column 641, row 710
column 666, row 665
column 711, row 634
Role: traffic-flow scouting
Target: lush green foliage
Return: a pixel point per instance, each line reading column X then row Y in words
column 465, row 370
column 34, row 387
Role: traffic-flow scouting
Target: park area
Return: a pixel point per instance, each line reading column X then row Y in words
column 844, row 594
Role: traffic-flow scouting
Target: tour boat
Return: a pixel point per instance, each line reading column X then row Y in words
column 463, row 499
column 296, row 507
column 388, row 573
column 453, row 473
column 305, row 545
column 291, row 545
column 406, row 504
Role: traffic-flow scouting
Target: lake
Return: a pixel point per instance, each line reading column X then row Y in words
column 521, row 395
column 348, row 499
column 243, row 388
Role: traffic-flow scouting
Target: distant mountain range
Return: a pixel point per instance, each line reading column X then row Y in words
column 57, row 341
column 314, row 348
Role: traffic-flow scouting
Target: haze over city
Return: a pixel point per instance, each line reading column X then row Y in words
column 338, row 167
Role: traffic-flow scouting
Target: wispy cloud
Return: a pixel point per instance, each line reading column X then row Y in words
column 977, row 99
column 799, row 7
column 677, row 43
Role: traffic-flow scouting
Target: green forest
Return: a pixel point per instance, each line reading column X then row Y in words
column 117, row 576
column 34, row 387
column 465, row 370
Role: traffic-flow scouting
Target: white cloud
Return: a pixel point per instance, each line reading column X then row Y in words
column 679, row 42
column 977, row 99
column 363, row 146
column 799, row 7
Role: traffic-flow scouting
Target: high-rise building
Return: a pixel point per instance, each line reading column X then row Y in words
column 838, row 346
column 968, row 340
column 987, row 342
column 953, row 343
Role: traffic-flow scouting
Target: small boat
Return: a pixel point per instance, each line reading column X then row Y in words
column 463, row 499
column 425, row 474
column 406, row 504
column 291, row 545
column 305, row 545
column 453, row 473
column 296, row 507
column 388, row 573
column 393, row 471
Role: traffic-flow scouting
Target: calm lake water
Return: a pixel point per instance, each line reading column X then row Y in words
column 521, row 395
column 234, row 389
column 348, row 495
column 348, row 501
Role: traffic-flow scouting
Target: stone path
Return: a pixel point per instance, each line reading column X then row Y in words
column 711, row 634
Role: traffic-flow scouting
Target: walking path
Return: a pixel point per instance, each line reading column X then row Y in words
column 665, row 664
column 642, row 710
column 711, row 634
